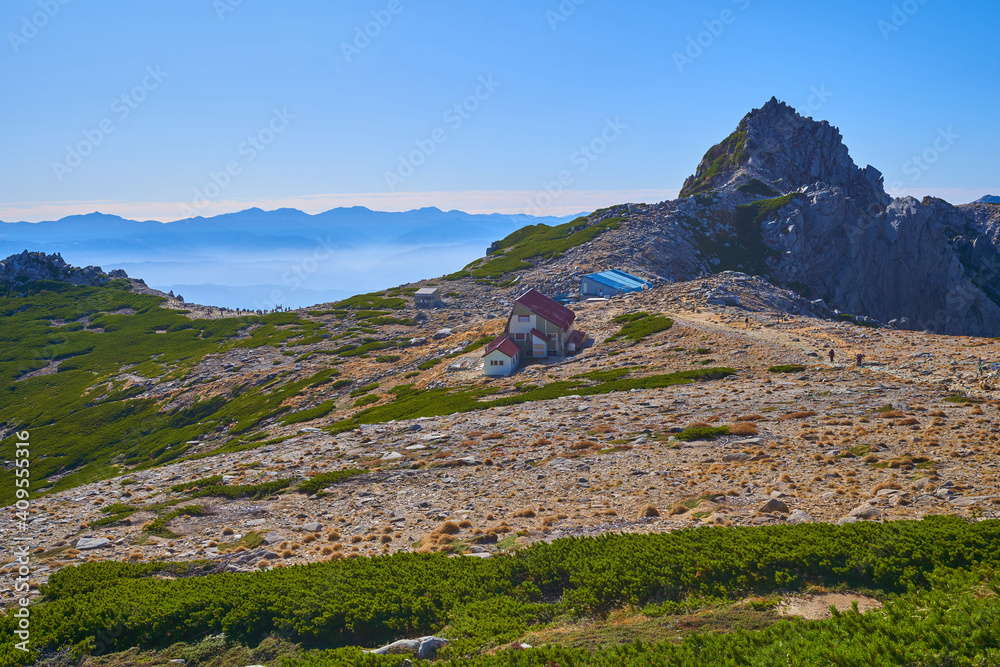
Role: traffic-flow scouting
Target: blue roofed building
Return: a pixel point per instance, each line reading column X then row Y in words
column 610, row 283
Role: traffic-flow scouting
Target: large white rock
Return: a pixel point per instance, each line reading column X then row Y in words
column 88, row 543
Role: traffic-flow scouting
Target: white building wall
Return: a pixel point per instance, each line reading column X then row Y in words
column 522, row 327
column 504, row 369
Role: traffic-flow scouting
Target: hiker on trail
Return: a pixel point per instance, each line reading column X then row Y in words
column 746, row 322
column 831, row 355
column 979, row 367
column 861, row 358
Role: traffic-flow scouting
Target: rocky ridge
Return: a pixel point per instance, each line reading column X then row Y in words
column 29, row 266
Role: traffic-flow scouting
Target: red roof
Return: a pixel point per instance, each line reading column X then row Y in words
column 542, row 305
column 503, row 344
column 576, row 338
column 539, row 334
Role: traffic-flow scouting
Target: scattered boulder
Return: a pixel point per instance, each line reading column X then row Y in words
column 799, row 516
column 424, row 648
column 865, row 512
column 90, row 543
column 774, row 506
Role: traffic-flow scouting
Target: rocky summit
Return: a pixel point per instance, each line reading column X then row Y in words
column 781, row 197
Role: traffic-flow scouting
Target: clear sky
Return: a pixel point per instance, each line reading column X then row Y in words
column 161, row 109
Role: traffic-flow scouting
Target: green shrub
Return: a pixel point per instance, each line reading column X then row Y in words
column 637, row 326
column 367, row 400
column 787, row 368
column 321, row 410
column 252, row 491
column 318, row 482
column 486, row 602
column 703, row 433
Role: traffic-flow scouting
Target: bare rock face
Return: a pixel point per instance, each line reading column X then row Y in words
column 781, row 198
column 909, row 260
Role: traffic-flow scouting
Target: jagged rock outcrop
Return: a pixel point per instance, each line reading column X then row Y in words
column 785, row 150
column 30, row 266
column 781, row 197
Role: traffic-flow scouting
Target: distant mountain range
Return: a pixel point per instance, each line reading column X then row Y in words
column 259, row 259
column 988, row 199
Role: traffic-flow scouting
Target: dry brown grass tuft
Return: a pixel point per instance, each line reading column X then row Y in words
column 909, row 421
column 494, row 436
column 802, row 414
column 542, row 442
column 648, row 512
column 743, row 428
column 584, row 444
column 449, row 528
column 751, row 418
column 228, row 531
column 526, row 513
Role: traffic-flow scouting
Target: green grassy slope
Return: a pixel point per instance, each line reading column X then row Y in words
column 86, row 419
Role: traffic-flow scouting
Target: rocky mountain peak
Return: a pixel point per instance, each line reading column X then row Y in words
column 778, row 146
column 30, row 266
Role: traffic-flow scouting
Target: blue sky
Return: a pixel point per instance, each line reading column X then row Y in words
column 207, row 106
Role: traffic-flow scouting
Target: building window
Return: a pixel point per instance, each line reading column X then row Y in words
column 523, row 318
column 552, row 336
column 518, row 336
column 496, row 362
